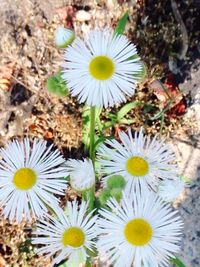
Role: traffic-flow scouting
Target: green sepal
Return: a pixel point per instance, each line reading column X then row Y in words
column 68, row 42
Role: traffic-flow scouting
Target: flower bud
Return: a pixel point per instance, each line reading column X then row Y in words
column 116, row 181
column 64, row 37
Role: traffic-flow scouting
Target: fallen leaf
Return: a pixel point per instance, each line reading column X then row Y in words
column 158, row 91
column 6, row 72
column 166, row 91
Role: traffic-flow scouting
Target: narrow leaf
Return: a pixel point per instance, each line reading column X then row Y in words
column 102, row 139
column 127, row 121
column 177, row 262
column 63, row 264
column 159, row 114
column 121, row 24
column 108, row 124
column 126, row 108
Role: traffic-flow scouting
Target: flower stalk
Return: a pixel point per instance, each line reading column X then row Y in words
column 92, row 133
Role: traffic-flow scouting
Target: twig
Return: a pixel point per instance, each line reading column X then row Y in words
column 24, row 85
column 183, row 29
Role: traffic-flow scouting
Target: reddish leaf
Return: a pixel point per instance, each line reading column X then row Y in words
column 170, row 90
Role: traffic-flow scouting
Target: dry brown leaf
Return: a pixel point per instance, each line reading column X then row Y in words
column 6, row 75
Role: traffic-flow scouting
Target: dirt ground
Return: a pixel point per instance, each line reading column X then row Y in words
column 167, row 36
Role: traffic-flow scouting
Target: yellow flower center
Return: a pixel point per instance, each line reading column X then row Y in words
column 137, row 166
column 101, row 67
column 73, row 237
column 138, row 232
column 24, row 178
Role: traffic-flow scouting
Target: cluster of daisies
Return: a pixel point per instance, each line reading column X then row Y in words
column 131, row 223
column 140, row 229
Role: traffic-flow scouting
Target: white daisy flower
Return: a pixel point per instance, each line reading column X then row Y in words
column 169, row 190
column 63, row 37
column 138, row 159
column 69, row 235
column 102, row 70
column 82, row 176
column 142, row 231
column 30, row 175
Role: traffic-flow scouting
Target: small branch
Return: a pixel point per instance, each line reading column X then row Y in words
column 183, row 29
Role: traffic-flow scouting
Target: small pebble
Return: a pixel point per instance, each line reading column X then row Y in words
column 83, row 15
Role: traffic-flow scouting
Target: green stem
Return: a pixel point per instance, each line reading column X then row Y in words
column 88, row 264
column 89, row 195
column 92, row 133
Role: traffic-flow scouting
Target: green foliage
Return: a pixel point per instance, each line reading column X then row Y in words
column 25, row 246
column 64, row 264
column 162, row 112
column 120, row 28
column 86, row 125
column 89, row 196
column 116, row 181
column 126, row 109
column 116, row 193
column 56, row 85
column 121, row 24
column 102, row 139
column 119, row 117
column 104, row 196
column 177, row 262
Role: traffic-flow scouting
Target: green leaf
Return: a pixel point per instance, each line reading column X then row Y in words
column 98, row 119
column 127, row 121
column 112, row 116
column 108, row 124
column 63, row 265
column 149, row 108
column 102, row 139
column 160, row 114
column 165, row 89
column 104, row 196
column 121, row 24
column 86, row 125
column 116, row 193
column 56, row 85
column 177, row 262
column 88, row 196
column 126, row 108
